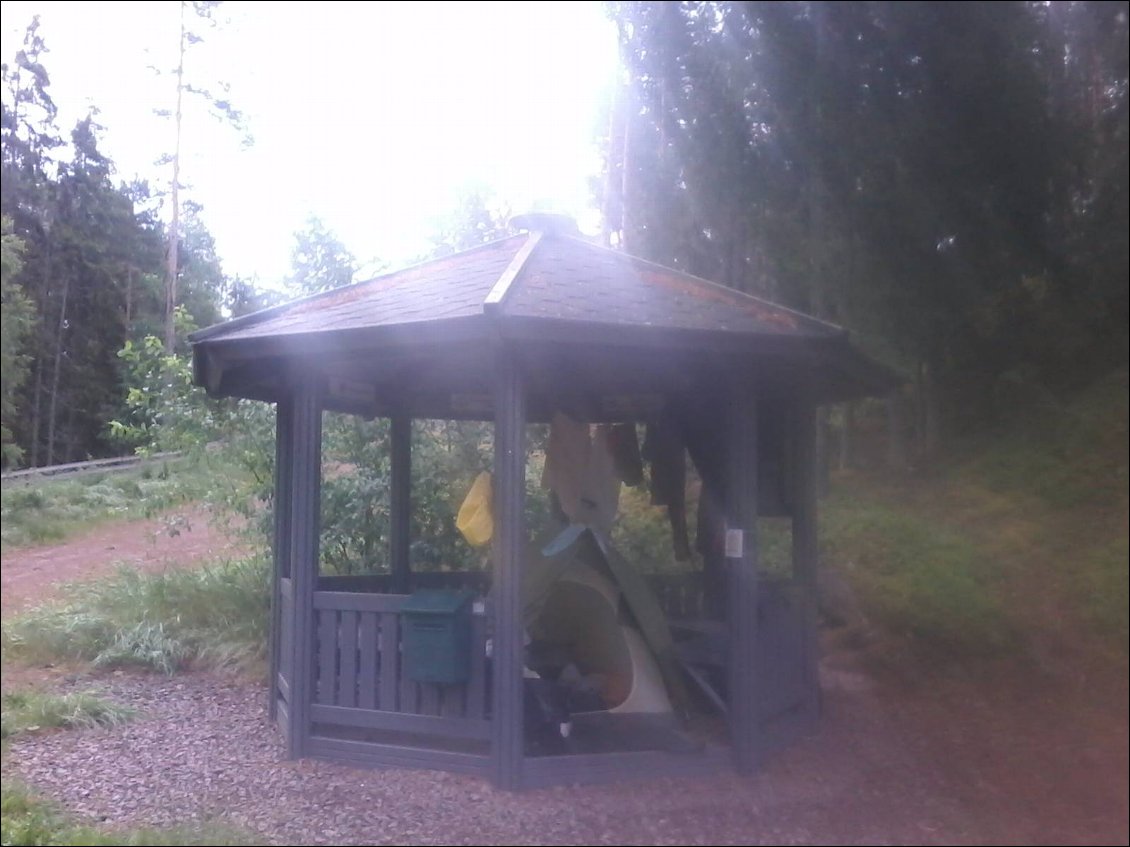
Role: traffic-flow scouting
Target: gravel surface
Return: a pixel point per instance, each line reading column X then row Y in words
column 202, row 748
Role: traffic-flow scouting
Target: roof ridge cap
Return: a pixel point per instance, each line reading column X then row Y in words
column 496, row 297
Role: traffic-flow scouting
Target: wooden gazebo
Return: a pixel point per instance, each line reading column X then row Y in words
column 512, row 332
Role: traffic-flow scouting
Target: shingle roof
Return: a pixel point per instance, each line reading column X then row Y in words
column 545, row 286
column 569, row 279
column 560, row 278
column 452, row 287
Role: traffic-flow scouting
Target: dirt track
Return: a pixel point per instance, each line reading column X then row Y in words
column 29, row 575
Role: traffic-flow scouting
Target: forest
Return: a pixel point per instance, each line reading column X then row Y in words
column 947, row 180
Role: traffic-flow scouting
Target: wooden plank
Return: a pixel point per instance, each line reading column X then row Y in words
column 742, row 566
column 431, row 725
column 368, row 636
column 355, row 602
column 282, row 686
column 280, row 547
column 429, row 699
column 409, row 690
column 369, row 754
column 390, row 662
column 476, row 686
column 453, row 701
column 509, row 551
column 305, row 507
column 347, row 657
column 400, row 502
column 326, row 689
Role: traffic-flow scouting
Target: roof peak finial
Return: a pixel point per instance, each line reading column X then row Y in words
column 548, row 223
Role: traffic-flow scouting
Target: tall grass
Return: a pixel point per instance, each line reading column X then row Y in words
column 51, row 510
column 214, row 616
column 26, row 711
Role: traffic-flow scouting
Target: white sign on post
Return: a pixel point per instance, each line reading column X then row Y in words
column 735, row 542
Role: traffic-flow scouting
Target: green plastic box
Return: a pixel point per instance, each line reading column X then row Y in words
column 437, row 636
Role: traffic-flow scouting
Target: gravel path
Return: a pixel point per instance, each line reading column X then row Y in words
column 201, row 748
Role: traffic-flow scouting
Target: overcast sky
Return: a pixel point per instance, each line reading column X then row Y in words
column 371, row 115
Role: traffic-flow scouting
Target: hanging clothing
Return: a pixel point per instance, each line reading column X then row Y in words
column 581, row 473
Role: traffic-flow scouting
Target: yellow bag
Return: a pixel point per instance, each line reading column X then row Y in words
column 475, row 519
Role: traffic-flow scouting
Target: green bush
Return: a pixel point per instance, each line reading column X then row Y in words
column 213, row 616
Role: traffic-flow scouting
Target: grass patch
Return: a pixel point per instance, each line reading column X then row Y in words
column 29, row 819
column 1105, row 589
column 1074, row 455
column 52, row 510
column 27, row 711
column 915, row 576
column 1032, row 513
column 214, row 616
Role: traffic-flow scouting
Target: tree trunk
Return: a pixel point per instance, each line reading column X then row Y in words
column 931, row 422
column 896, row 440
column 174, row 224
column 625, row 173
column 55, row 370
column 823, row 465
column 129, row 298
column 36, row 398
column 847, row 438
column 610, row 204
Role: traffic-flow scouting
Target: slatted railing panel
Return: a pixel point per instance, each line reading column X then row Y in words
column 679, row 595
column 362, row 681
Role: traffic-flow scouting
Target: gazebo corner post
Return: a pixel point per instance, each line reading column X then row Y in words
column 507, row 730
column 400, row 505
column 742, row 577
column 305, row 529
column 805, row 540
column 280, row 552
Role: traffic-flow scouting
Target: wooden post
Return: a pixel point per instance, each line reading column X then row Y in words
column 401, row 503
column 280, row 560
column 305, row 512
column 509, row 547
column 742, row 576
column 805, row 551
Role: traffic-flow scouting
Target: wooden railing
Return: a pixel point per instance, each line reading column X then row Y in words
column 361, row 681
column 383, row 583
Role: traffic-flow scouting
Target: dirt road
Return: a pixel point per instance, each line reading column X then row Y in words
column 30, row 575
